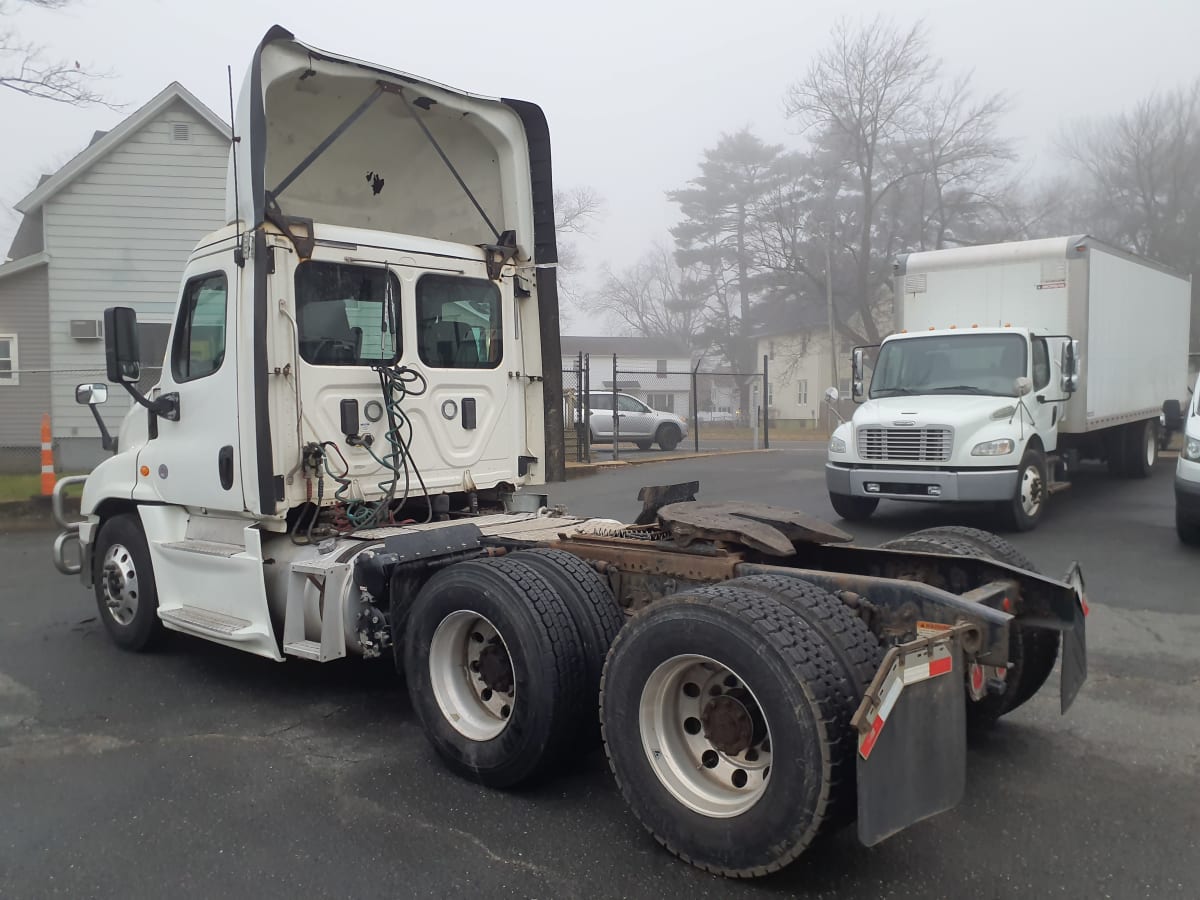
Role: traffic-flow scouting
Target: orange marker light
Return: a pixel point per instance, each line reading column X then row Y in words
column 145, row 470
column 952, row 327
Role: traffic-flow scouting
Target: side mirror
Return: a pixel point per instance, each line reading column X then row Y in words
column 121, row 345
column 1070, row 366
column 1023, row 385
column 856, row 382
column 91, row 394
column 832, row 396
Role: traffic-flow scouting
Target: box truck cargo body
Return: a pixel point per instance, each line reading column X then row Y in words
column 1010, row 363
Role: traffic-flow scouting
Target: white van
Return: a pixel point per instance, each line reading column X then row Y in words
column 1187, row 476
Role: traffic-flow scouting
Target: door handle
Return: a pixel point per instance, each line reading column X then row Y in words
column 225, row 466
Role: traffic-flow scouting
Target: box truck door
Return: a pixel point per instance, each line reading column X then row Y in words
column 1046, row 400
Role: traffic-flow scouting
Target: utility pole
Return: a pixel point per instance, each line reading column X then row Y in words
column 833, row 369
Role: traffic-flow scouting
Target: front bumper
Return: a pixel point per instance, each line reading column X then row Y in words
column 963, row 486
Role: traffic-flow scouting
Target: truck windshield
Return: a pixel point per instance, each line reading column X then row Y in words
column 950, row 364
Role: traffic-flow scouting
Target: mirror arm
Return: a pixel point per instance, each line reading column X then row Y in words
column 106, row 440
column 166, row 406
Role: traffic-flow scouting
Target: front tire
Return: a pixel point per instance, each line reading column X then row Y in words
column 716, row 708
column 1187, row 528
column 1025, row 509
column 668, row 437
column 123, row 577
column 853, row 509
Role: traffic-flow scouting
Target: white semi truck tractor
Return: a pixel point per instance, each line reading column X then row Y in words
column 341, row 459
column 1011, row 363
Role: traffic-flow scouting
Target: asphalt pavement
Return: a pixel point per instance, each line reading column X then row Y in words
column 197, row 771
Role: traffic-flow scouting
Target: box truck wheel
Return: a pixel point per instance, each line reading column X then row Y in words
column 1141, row 448
column 124, row 583
column 495, row 672
column 1024, row 511
column 853, row 509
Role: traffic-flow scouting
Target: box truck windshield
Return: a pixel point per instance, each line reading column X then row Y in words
column 950, row 364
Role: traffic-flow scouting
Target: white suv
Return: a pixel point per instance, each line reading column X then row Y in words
column 1187, row 475
column 637, row 422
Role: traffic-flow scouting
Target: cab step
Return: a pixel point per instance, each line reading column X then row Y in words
column 304, row 649
column 207, row 623
column 205, row 548
column 1057, row 487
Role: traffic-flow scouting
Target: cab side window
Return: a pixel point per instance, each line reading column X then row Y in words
column 629, row 404
column 199, row 346
column 1041, row 364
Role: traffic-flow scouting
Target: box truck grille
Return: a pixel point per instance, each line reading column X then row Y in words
column 908, row 444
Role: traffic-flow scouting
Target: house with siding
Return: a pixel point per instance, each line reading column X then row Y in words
column 113, row 227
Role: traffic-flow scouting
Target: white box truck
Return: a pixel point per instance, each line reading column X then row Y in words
column 1010, row 363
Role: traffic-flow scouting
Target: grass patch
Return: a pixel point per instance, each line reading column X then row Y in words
column 23, row 487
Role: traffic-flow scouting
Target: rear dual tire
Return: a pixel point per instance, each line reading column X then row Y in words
column 726, row 715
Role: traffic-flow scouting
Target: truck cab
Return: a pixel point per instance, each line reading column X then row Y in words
column 952, row 415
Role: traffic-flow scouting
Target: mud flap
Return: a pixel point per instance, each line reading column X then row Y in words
column 1074, row 643
column 912, row 757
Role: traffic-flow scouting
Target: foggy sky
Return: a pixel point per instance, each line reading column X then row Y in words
column 633, row 91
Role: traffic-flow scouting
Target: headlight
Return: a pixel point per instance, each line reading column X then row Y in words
column 1001, row 447
column 837, row 445
column 1191, row 449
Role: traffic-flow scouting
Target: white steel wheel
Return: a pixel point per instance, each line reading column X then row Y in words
column 1032, row 490
column 705, row 736
column 1151, row 445
column 471, row 674
column 119, row 584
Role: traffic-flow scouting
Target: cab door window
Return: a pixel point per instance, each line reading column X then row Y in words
column 1041, row 364
column 349, row 315
column 199, row 346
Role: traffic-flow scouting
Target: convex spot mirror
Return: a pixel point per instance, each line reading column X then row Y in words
column 1022, row 385
column 122, row 358
column 91, row 394
column 831, row 395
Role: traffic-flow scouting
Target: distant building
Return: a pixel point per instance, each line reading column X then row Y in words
column 796, row 344
column 655, row 370
column 114, row 226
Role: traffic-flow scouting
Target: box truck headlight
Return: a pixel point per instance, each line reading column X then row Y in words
column 1001, row 447
column 837, row 445
column 1191, row 449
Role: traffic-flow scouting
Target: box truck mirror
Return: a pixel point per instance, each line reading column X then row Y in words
column 1023, row 385
column 1070, row 366
column 832, row 396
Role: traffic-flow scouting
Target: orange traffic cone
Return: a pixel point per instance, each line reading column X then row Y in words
column 47, row 458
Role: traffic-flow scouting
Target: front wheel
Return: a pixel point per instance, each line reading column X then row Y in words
column 1187, row 528
column 123, row 577
column 668, row 437
column 1024, row 510
column 853, row 509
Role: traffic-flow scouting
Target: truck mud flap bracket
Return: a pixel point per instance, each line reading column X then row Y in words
column 912, row 736
column 1074, row 643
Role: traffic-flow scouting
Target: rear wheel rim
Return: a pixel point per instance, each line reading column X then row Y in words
column 1151, row 447
column 119, row 584
column 1031, row 491
column 471, row 674
column 705, row 736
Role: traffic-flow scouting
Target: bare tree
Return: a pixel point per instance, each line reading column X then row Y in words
column 650, row 298
column 26, row 69
column 863, row 97
column 576, row 212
